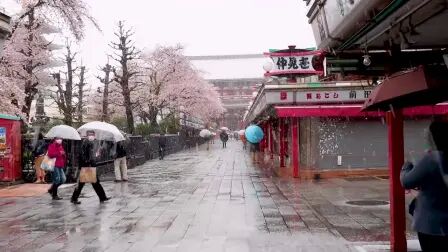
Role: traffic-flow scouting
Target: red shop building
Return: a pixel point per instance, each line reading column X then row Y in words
column 318, row 129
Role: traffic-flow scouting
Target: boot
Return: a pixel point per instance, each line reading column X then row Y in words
column 76, row 202
column 54, row 192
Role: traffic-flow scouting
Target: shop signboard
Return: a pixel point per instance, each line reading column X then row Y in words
column 333, row 96
column 296, row 63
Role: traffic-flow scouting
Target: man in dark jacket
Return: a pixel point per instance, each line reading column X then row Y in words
column 121, row 168
column 87, row 159
column 162, row 145
column 224, row 138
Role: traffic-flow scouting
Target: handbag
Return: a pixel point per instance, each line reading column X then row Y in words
column 48, row 163
column 87, row 175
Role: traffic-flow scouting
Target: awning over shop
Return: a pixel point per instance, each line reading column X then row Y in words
column 419, row 86
column 354, row 111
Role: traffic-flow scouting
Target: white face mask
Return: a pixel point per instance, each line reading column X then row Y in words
column 59, row 141
column 91, row 138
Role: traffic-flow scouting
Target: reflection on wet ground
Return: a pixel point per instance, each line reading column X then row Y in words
column 202, row 201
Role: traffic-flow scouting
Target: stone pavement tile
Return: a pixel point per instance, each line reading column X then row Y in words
column 342, row 221
column 164, row 248
column 213, row 243
column 53, row 246
column 176, row 232
column 236, row 245
column 201, row 201
column 189, row 245
column 147, row 240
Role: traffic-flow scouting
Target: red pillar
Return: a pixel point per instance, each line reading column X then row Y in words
column 282, row 142
column 295, row 147
column 271, row 141
column 396, row 191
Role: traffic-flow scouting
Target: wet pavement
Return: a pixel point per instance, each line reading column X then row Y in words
column 202, row 201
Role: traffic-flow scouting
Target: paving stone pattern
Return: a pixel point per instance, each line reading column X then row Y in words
column 201, row 201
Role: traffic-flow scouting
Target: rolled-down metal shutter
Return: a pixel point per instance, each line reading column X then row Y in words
column 363, row 144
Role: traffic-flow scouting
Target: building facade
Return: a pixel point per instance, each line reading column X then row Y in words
column 316, row 129
column 236, row 95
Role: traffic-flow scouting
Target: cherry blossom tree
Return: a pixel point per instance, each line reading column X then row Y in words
column 11, row 95
column 71, row 14
column 25, row 56
column 171, row 83
column 27, row 52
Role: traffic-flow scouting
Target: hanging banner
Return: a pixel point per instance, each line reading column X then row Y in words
column 296, row 63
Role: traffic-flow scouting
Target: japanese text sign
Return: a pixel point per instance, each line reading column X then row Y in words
column 333, row 96
column 308, row 62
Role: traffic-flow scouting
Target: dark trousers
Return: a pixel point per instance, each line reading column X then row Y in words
column 96, row 186
column 433, row 243
column 224, row 144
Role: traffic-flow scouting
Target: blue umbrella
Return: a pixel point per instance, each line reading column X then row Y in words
column 254, row 134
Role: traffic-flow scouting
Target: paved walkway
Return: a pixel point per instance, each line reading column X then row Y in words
column 202, row 201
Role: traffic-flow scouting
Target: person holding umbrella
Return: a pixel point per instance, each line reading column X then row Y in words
column 56, row 151
column 87, row 160
column 254, row 134
column 224, row 138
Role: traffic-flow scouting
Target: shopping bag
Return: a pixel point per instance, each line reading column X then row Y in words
column 87, row 175
column 48, row 163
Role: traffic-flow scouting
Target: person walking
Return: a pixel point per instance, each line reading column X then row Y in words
column 39, row 152
column 224, row 138
column 162, row 145
column 255, row 149
column 120, row 163
column 430, row 177
column 87, row 159
column 244, row 141
column 56, row 150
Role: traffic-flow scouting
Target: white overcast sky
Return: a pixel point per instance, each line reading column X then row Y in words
column 204, row 27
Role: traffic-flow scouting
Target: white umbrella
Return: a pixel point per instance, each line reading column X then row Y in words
column 63, row 131
column 224, row 129
column 241, row 132
column 103, row 131
column 205, row 133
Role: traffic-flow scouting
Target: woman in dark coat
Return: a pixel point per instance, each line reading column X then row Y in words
column 430, row 177
column 87, row 159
